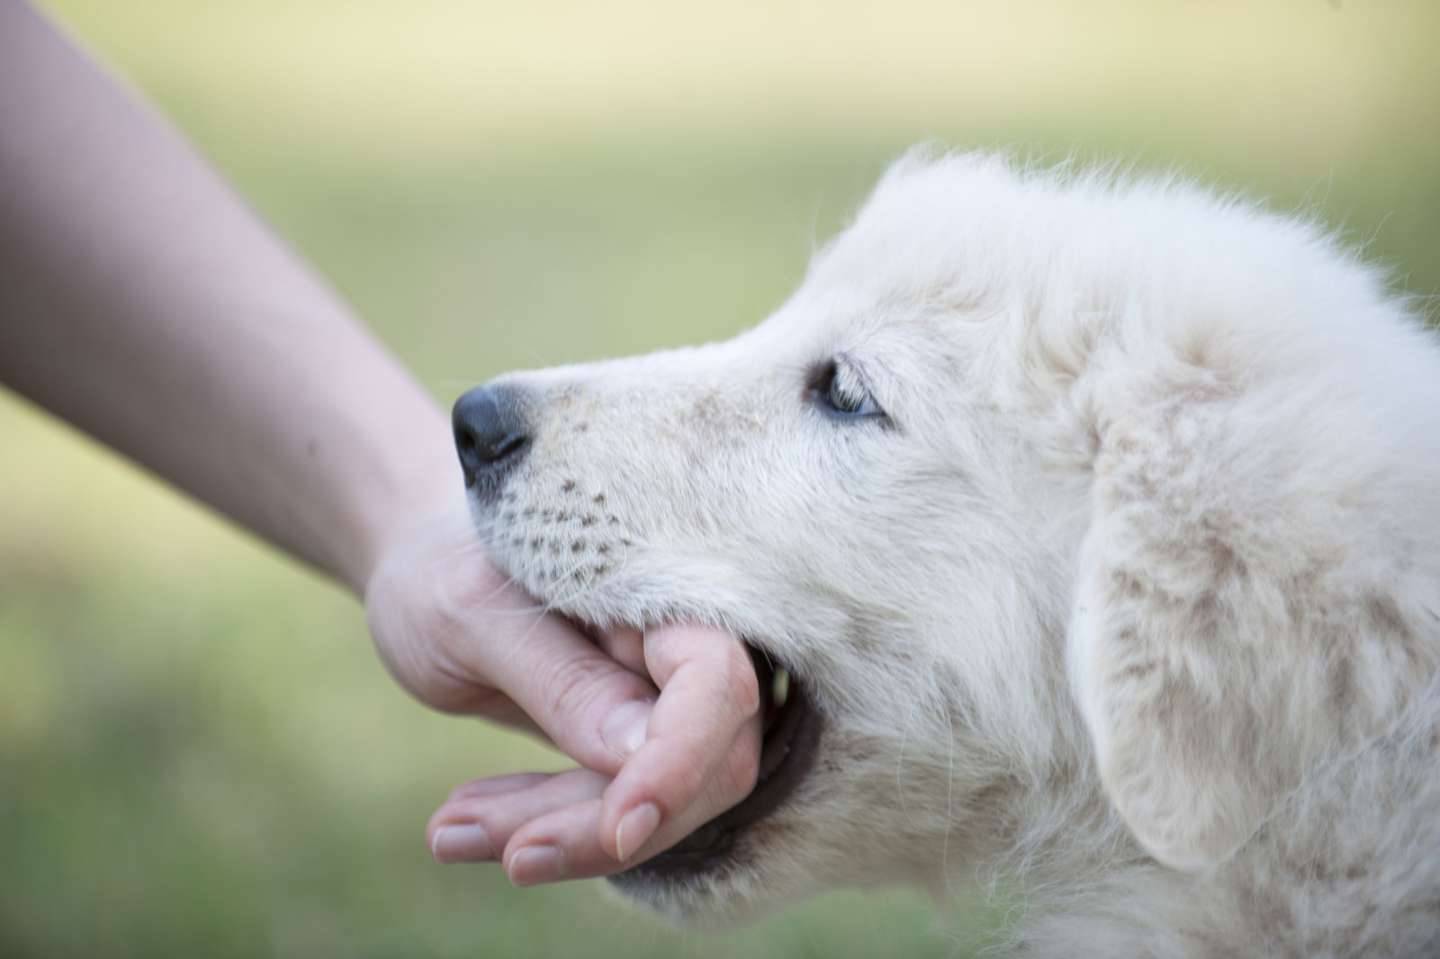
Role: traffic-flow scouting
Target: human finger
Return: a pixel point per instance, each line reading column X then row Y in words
column 592, row 707
column 625, row 645
column 478, row 819
column 702, row 749
column 566, row 842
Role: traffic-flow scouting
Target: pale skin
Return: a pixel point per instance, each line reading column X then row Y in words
column 143, row 303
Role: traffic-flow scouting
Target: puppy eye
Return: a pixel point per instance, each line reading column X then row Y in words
column 839, row 391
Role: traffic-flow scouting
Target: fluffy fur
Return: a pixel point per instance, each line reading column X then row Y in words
column 1133, row 600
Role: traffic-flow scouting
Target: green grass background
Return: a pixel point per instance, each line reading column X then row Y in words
column 199, row 754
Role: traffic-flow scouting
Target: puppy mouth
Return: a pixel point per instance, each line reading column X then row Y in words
column 791, row 734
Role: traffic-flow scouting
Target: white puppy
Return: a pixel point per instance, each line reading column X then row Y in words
column 1097, row 525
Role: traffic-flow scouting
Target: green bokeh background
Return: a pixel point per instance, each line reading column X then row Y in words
column 199, row 754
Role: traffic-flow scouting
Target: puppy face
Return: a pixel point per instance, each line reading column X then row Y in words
column 831, row 487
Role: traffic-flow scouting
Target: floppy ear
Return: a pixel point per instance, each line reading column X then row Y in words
column 1175, row 744
column 1200, row 703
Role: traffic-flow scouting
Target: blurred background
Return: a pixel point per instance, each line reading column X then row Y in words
column 502, row 185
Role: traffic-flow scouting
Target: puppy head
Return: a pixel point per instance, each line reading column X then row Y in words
column 884, row 488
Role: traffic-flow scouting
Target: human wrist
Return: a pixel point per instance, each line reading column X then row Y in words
column 417, row 485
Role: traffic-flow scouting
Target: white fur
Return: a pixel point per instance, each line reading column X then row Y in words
column 1134, row 605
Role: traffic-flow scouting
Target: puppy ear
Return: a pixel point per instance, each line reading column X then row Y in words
column 1201, row 695
column 1178, row 746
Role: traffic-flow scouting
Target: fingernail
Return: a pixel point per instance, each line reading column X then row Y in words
column 461, row 844
column 536, row 864
column 636, row 826
column 625, row 727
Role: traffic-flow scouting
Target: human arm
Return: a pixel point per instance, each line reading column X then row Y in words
column 145, row 304
column 141, row 301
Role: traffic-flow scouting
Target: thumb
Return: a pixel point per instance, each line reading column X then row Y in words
column 592, row 707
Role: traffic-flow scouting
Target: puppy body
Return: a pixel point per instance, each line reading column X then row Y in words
column 1131, row 597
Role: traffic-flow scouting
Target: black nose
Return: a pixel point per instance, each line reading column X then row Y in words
column 490, row 435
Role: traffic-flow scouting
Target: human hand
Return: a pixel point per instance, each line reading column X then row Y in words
column 666, row 727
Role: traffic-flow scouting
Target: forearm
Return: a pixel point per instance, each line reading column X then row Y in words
column 142, row 302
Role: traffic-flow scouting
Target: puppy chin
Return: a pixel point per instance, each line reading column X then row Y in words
column 763, row 873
